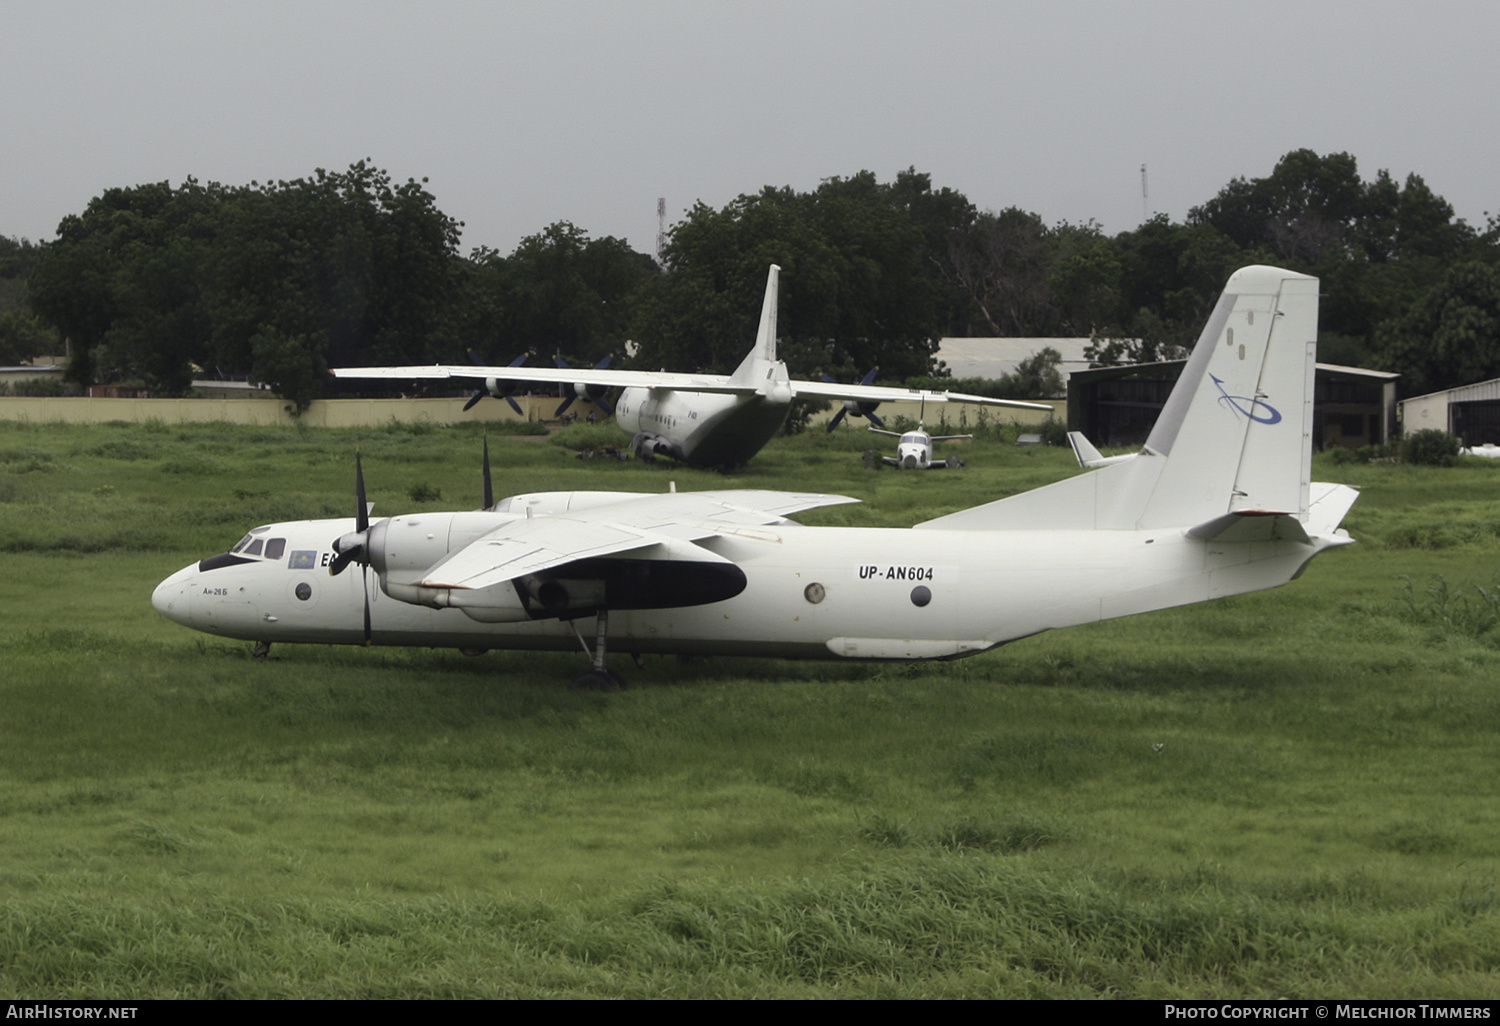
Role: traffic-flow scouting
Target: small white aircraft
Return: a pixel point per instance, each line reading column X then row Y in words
column 704, row 420
column 1219, row 502
column 914, row 451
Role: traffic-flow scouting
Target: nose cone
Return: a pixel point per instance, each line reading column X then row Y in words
column 171, row 596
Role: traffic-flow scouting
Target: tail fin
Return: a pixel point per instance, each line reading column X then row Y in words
column 765, row 337
column 1235, row 436
column 1090, row 457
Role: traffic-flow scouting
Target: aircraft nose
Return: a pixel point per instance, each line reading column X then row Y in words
column 171, row 596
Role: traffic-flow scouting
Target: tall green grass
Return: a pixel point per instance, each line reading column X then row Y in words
column 1282, row 794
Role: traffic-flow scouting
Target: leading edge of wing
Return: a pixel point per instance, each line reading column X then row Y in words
column 553, row 376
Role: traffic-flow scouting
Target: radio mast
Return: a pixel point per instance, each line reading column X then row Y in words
column 661, row 226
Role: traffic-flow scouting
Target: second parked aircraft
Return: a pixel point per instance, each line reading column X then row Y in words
column 704, row 420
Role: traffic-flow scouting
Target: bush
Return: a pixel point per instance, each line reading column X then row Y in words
column 588, row 436
column 1338, row 455
column 1430, row 448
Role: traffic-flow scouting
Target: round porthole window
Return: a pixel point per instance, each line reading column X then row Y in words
column 304, row 591
column 921, row 595
column 814, row 593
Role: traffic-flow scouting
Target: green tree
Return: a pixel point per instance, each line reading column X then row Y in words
column 856, row 288
column 561, row 291
column 22, row 335
column 151, row 281
column 1451, row 335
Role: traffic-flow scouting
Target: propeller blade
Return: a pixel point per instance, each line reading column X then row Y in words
column 340, row 561
column 870, row 377
column 874, row 419
column 361, row 508
column 565, row 404
column 475, row 358
column 837, row 418
column 478, row 395
column 603, row 404
column 489, row 491
column 515, row 405
column 366, row 575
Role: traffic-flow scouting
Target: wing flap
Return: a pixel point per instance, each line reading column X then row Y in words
column 528, row 547
column 887, row 394
column 651, row 526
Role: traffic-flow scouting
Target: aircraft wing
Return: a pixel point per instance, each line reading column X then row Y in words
column 717, row 383
column 554, row 376
column 653, row 526
column 886, row 394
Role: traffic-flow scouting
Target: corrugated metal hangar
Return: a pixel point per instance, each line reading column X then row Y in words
column 1472, row 412
column 1116, row 406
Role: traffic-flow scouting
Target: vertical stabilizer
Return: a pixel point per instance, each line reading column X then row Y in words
column 765, row 338
column 1235, row 436
column 1237, row 429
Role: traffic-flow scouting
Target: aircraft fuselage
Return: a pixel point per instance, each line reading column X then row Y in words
column 810, row 592
column 699, row 428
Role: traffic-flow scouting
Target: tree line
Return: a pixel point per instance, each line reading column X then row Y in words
column 280, row 281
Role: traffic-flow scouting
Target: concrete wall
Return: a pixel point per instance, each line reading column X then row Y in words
column 375, row 412
column 1425, row 411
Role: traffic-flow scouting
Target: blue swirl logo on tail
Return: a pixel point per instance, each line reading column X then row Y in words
column 1247, row 405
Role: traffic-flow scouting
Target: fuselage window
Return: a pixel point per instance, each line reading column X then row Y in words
column 275, row 548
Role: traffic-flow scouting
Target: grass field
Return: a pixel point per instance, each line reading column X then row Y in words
column 1285, row 794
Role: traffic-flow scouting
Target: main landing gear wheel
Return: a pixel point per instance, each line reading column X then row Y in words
column 598, row 677
column 599, row 680
column 260, row 651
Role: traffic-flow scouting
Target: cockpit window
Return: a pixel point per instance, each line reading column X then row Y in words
column 243, row 542
column 254, row 549
column 275, row 548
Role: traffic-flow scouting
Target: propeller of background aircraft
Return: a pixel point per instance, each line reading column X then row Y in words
column 502, row 389
column 857, row 409
column 593, row 393
column 489, row 491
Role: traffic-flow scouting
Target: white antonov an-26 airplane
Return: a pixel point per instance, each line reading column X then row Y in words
column 704, row 420
column 1219, row 502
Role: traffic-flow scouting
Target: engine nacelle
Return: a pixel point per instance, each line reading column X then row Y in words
column 648, row 446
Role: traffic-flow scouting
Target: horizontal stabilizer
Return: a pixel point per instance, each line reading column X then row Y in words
column 1327, row 507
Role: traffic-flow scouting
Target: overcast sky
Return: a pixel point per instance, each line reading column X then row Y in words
column 520, row 114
